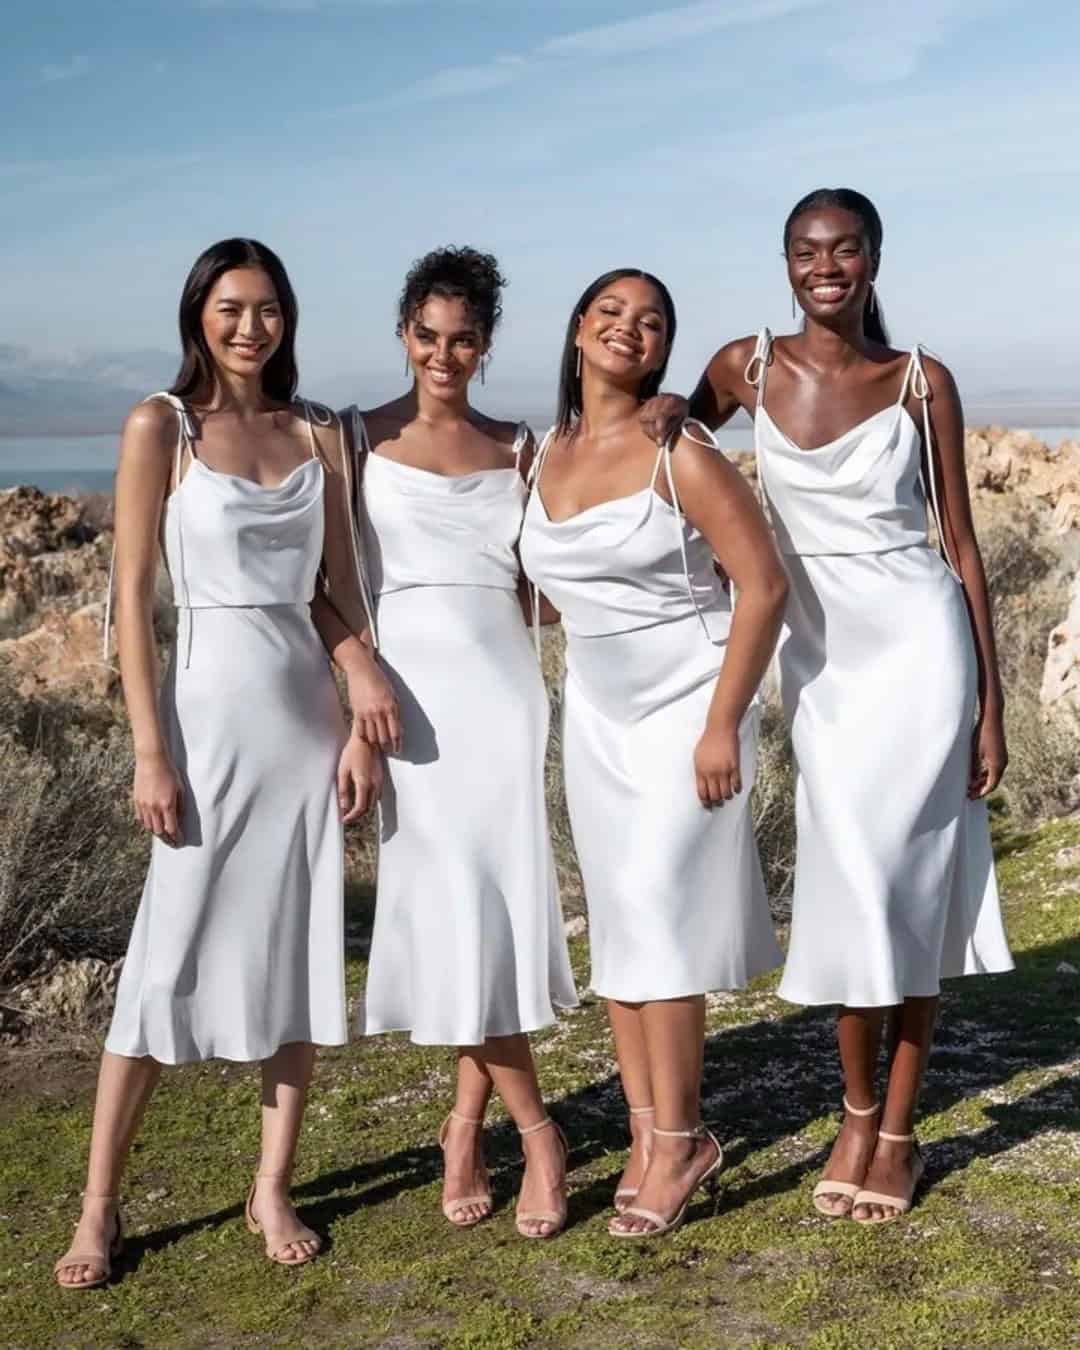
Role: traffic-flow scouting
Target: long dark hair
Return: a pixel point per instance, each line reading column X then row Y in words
column 196, row 374
column 570, row 380
column 866, row 213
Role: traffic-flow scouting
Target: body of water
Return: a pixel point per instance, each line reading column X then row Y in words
column 87, row 463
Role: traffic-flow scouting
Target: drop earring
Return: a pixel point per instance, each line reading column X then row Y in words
column 794, row 306
column 578, row 367
column 873, row 299
column 407, row 364
column 483, row 368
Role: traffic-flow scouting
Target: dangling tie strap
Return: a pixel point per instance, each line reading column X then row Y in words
column 665, row 455
column 354, row 505
column 531, row 482
column 916, row 383
column 755, row 374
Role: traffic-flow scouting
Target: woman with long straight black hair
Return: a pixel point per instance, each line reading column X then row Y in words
column 888, row 677
column 660, row 727
column 243, row 769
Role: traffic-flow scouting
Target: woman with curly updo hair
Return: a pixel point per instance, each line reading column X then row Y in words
column 468, row 948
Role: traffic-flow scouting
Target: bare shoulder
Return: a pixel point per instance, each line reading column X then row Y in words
column 504, row 434
column 325, row 427
column 150, row 436
column 697, row 459
column 939, row 377
column 727, row 369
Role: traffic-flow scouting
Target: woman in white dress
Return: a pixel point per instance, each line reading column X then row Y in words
column 888, row 675
column 468, row 948
column 237, row 949
column 659, row 737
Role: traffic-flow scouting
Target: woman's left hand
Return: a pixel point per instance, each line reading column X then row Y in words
column 359, row 778
column 716, row 765
column 988, row 755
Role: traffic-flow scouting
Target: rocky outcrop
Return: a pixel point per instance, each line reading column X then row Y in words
column 1061, row 675
column 1017, row 462
column 52, row 555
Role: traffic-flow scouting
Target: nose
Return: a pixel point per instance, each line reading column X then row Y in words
column 251, row 324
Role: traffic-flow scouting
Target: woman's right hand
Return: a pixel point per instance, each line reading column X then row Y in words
column 158, row 797
column 376, row 714
column 662, row 416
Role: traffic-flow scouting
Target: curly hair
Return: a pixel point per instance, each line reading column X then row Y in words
column 455, row 274
column 866, row 213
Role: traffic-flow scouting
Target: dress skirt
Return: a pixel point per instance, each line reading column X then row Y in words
column 237, row 947
column 469, row 939
column 675, row 894
column 894, row 883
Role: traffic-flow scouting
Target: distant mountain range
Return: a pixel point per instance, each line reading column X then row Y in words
column 91, row 394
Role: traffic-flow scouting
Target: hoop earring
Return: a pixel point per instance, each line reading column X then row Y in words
column 578, row 368
column 873, row 299
column 794, row 306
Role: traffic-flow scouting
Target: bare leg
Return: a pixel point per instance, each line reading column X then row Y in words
column 464, row 1160
column 633, row 1057
column 285, row 1079
column 891, row 1170
column 674, row 1034
column 123, row 1089
column 858, row 1031
column 543, row 1187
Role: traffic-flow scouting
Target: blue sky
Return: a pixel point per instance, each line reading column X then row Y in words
column 352, row 135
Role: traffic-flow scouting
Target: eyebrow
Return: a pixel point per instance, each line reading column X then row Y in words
column 837, row 239
column 649, row 309
column 458, row 332
column 236, row 300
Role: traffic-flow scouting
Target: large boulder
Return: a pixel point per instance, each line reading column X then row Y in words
column 1061, row 674
column 52, row 554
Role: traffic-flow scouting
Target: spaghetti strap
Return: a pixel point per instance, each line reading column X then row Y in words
column 521, row 440
column 916, row 383
column 532, row 483
column 353, row 507
column 665, row 456
column 755, row 374
column 312, row 418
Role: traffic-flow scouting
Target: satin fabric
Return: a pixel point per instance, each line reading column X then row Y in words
column 468, row 939
column 675, row 895
column 894, row 874
column 237, row 947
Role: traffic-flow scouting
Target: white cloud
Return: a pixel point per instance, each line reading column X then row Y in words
column 71, row 69
column 667, row 27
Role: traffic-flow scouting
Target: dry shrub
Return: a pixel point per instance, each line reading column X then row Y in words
column 774, row 805
column 72, row 859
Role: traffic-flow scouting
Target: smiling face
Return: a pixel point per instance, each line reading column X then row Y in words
column 624, row 331
column 444, row 342
column 830, row 265
column 242, row 321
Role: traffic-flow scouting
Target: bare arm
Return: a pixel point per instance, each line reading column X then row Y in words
column 989, row 756
column 717, row 500
column 142, row 477
column 715, row 400
column 338, row 610
column 548, row 613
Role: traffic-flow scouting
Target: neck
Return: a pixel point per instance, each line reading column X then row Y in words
column 439, row 411
column 240, row 394
column 606, row 408
column 834, row 347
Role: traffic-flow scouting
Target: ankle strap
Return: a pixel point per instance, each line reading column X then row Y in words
column 540, row 1125
column 96, row 1195
column 274, row 1176
column 697, row 1132
column 895, row 1138
column 862, row 1110
column 465, row 1120
column 642, row 1110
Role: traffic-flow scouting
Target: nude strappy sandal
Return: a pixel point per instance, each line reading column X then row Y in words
column 627, row 1193
column 848, row 1190
column 706, row 1181
column 452, row 1207
column 99, row 1260
column 301, row 1233
column 901, row 1203
column 557, row 1218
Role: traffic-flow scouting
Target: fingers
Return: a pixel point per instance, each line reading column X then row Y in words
column 344, row 784
column 382, row 728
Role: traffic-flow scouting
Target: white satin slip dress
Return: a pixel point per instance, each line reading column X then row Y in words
column 675, row 895
column 237, row 947
column 469, row 939
column 894, row 874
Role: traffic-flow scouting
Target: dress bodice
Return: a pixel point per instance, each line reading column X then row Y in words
column 624, row 564
column 432, row 529
column 863, row 492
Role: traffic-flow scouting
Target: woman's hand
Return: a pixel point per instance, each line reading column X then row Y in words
column 988, row 755
column 158, row 797
column 359, row 778
column 716, row 765
column 376, row 715
column 662, row 416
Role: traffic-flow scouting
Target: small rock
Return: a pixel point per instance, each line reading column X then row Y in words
column 1068, row 857
column 576, row 927
column 159, row 1194
column 1067, row 968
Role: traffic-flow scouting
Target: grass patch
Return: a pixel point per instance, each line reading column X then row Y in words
column 990, row 1256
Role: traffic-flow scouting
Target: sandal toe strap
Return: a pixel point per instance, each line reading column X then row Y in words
column 98, row 1260
column 899, row 1202
column 846, row 1188
column 637, row 1212
column 301, row 1234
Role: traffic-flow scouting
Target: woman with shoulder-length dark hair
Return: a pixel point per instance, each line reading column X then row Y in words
column 660, row 724
column 468, row 948
column 243, row 769
column 888, row 674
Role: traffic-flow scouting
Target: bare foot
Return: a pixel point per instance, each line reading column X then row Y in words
column 288, row 1241
column 465, row 1173
column 543, row 1187
column 893, row 1172
column 96, row 1232
column 641, row 1123
column 849, row 1160
column 674, row 1172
